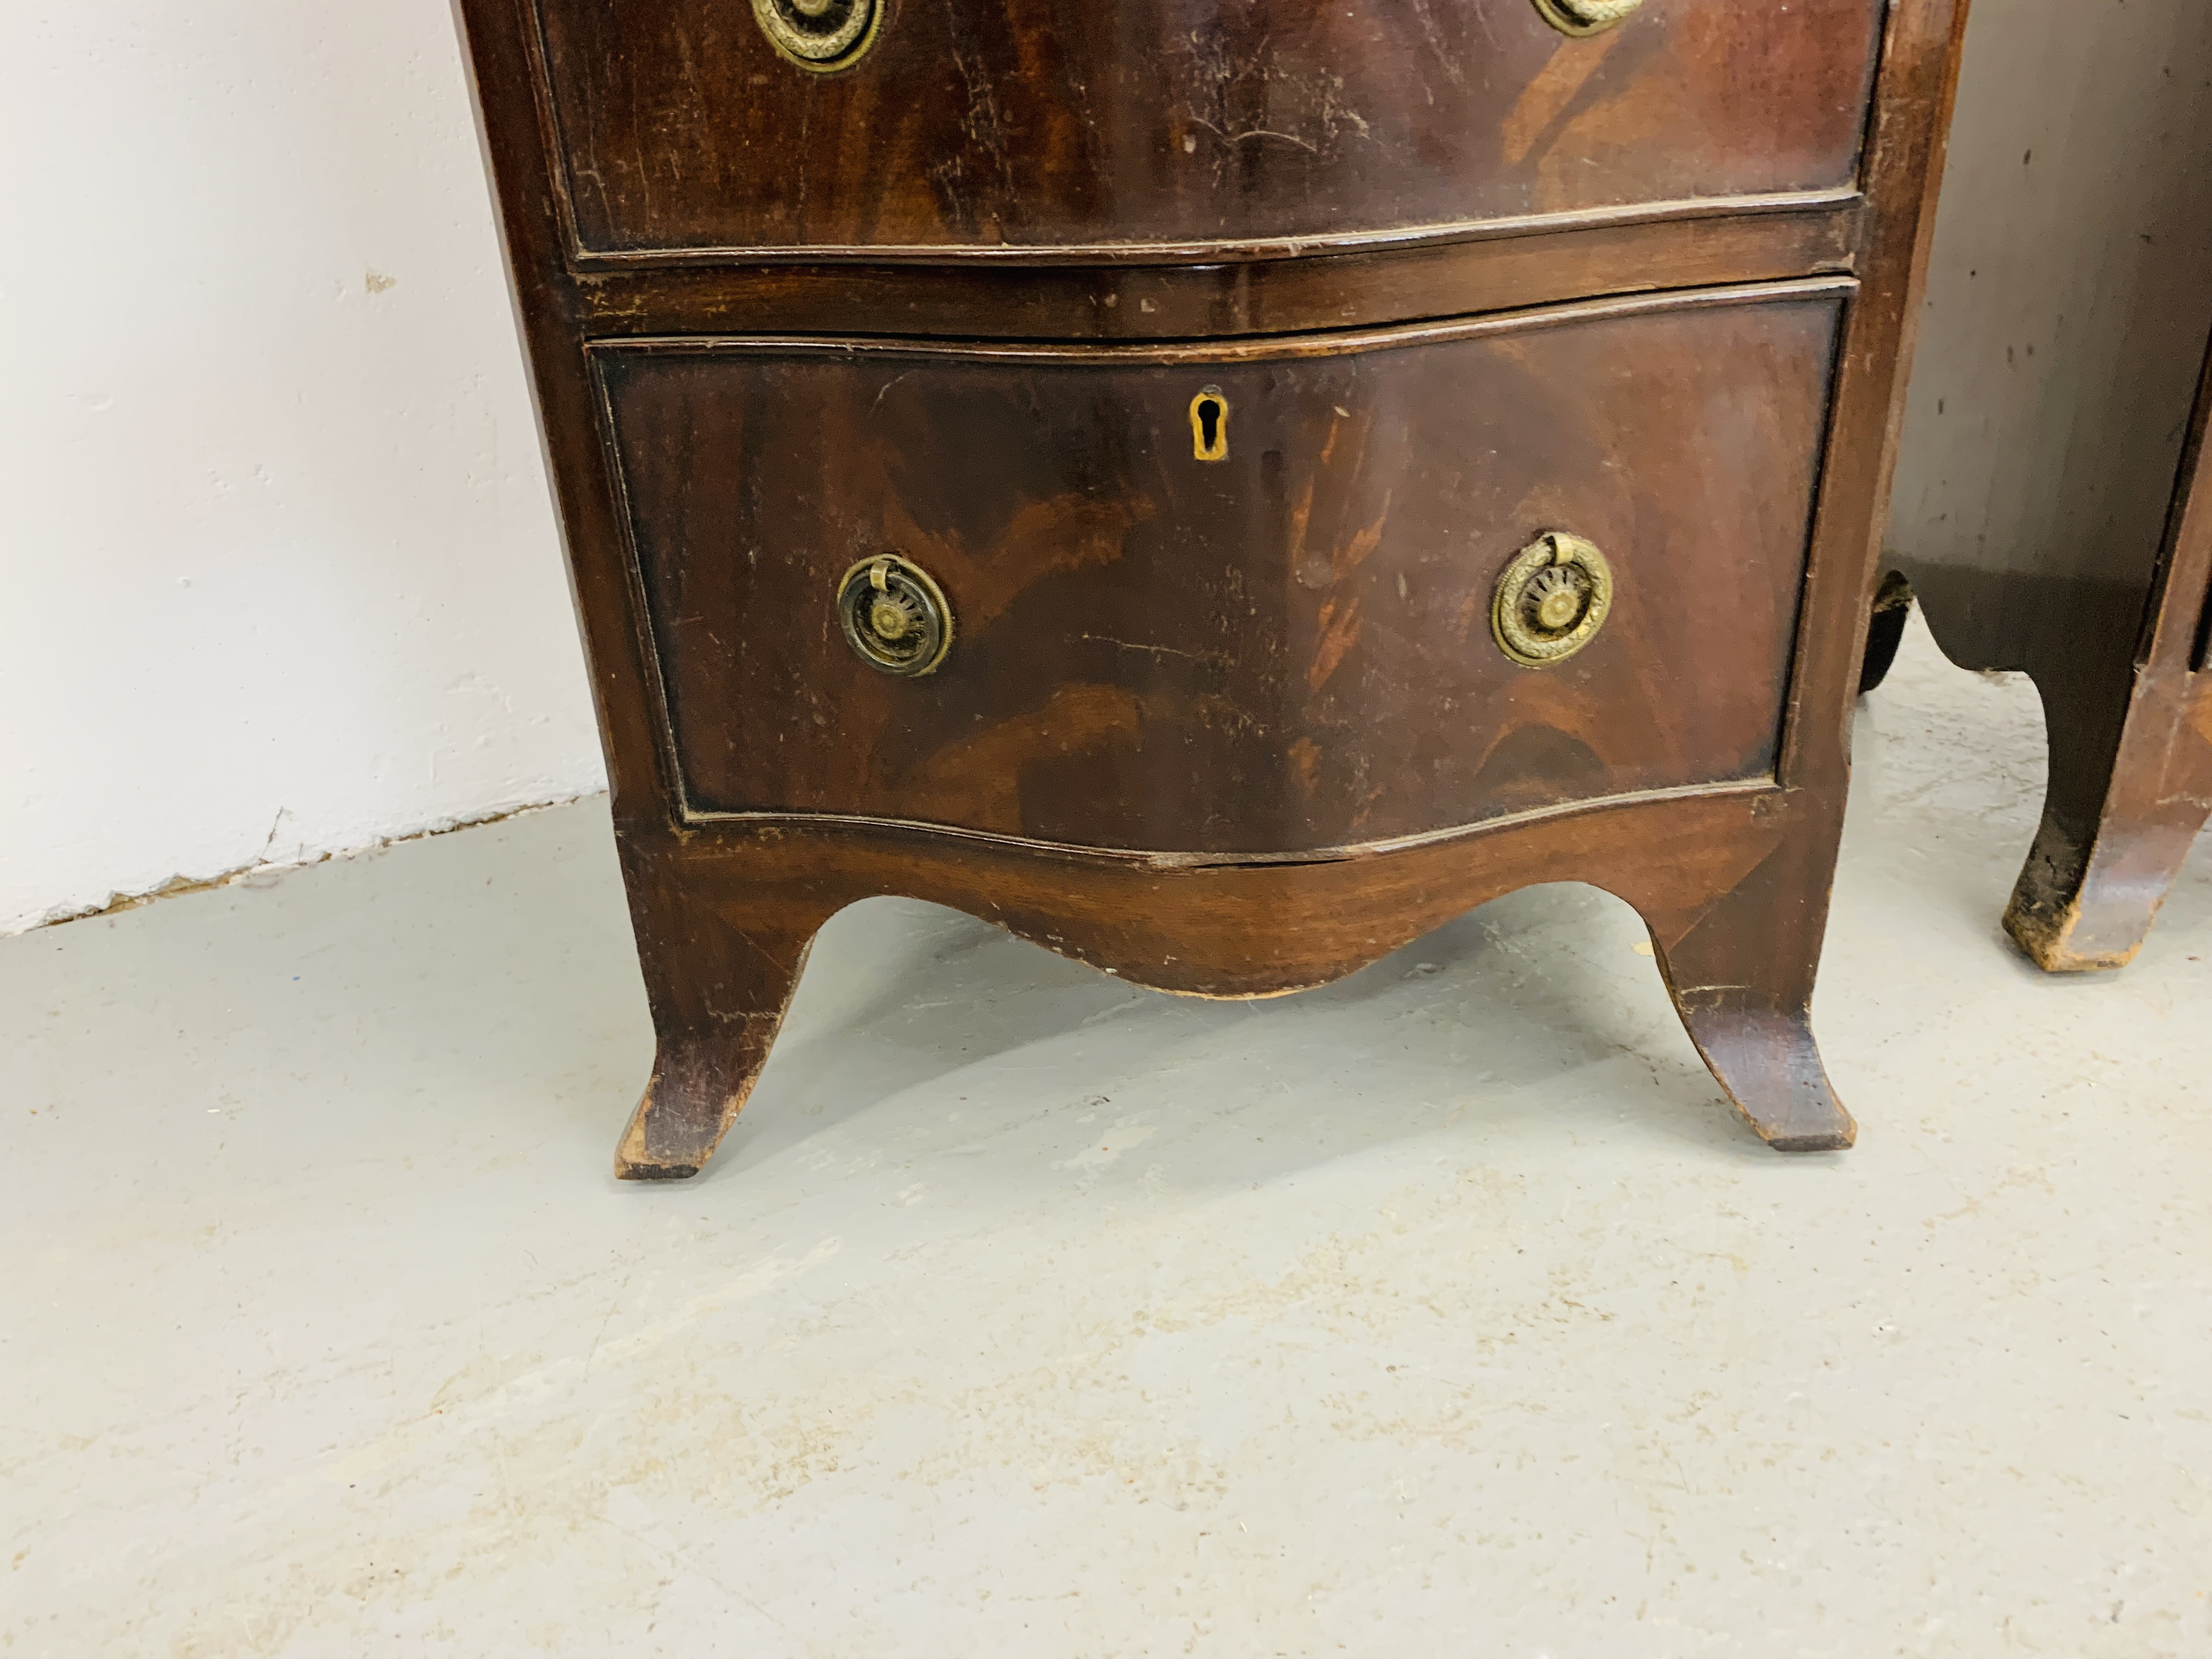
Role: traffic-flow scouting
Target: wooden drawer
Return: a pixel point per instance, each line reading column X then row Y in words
column 1046, row 128
column 1286, row 649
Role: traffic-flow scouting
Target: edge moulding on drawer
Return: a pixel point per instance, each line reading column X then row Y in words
column 1220, row 576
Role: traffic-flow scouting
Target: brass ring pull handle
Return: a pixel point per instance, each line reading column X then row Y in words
column 1586, row 16
column 895, row 617
column 1551, row 600
column 819, row 34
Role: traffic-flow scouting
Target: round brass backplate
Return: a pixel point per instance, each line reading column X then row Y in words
column 893, row 617
column 1551, row 600
column 820, row 34
column 1580, row 17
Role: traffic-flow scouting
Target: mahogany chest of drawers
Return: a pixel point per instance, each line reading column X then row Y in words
column 1218, row 487
column 2054, row 501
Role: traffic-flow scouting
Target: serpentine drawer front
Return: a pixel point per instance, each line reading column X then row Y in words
column 1282, row 645
column 1218, row 487
column 1047, row 126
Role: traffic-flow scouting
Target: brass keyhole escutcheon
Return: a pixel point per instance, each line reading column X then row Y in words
column 1209, row 425
column 1580, row 17
column 819, row 34
column 1551, row 600
column 895, row 617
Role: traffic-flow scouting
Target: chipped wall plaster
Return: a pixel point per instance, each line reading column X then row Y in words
column 281, row 571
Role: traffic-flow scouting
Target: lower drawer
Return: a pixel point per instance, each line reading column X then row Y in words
column 1230, row 600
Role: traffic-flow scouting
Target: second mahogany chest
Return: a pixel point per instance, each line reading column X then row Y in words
column 2054, row 504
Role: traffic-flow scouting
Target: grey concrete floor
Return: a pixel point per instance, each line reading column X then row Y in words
column 1445, row 1311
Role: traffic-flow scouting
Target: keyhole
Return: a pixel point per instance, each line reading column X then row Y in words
column 1209, row 425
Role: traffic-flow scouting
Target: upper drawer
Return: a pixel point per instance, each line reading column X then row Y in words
column 1054, row 127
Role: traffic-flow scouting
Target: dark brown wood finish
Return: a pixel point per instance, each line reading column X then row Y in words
column 2121, row 665
column 1343, row 761
column 2101, row 867
column 1168, row 128
column 2055, row 519
column 1285, row 652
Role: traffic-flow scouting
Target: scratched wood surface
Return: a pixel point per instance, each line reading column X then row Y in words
column 1042, row 124
column 1285, row 650
column 1013, row 171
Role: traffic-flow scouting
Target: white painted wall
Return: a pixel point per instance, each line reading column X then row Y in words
column 279, row 574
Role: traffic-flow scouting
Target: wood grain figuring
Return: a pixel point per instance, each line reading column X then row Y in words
column 1231, row 729
column 1033, row 126
column 1286, row 650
